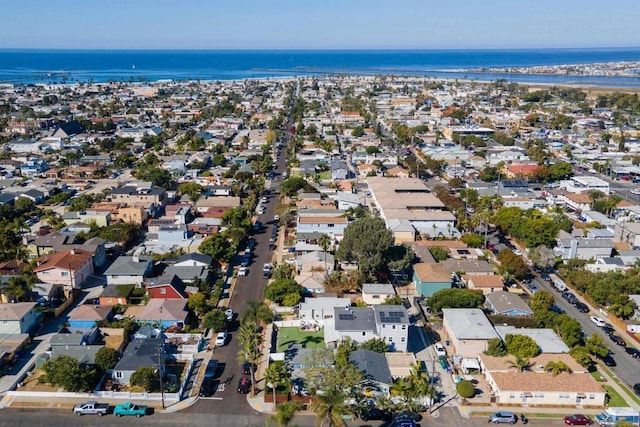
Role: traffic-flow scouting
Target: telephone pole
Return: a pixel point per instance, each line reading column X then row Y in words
column 159, row 354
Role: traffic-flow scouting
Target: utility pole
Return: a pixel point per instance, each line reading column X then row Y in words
column 159, row 354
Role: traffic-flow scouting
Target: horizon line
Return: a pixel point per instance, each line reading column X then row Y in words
column 333, row 49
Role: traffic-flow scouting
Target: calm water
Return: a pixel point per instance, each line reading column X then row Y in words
column 33, row 66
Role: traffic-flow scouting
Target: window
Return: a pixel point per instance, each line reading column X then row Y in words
column 119, row 374
column 564, row 396
column 393, row 327
column 331, row 225
column 163, row 291
column 375, row 296
column 390, row 339
column 402, row 339
column 512, row 395
column 65, row 274
column 538, row 395
column 592, row 396
column 364, row 333
column 404, row 327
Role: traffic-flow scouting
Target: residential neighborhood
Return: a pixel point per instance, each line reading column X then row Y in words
column 394, row 243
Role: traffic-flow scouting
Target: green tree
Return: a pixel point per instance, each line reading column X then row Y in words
column 158, row 176
column 68, row 373
column 560, row 170
column 496, row 348
column 198, row 303
column 277, row 290
column 439, row 253
column 250, row 338
column 283, row 271
column 466, row 389
column 284, row 413
column 146, row 377
column 218, row 247
column 366, row 241
column 256, row 312
column 24, row 204
column 330, row 407
column 521, row 346
column 392, row 300
column 274, row 376
column 541, row 301
column 379, row 345
column 357, row 132
column 291, row 186
column 521, row 364
column 455, row 298
column 512, row 264
column 557, row 367
column 215, row 320
column 106, row 358
column 191, row 189
column 324, row 241
column 596, row 346
column 473, row 240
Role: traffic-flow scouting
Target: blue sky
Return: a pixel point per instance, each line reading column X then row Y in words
column 320, row 24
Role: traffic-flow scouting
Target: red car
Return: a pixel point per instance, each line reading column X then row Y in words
column 244, row 385
column 578, row 420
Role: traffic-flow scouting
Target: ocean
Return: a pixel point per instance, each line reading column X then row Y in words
column 41, row 66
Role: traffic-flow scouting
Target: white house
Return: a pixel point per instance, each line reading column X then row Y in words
column 377, row 293
column 321, row 308
column 389, row 322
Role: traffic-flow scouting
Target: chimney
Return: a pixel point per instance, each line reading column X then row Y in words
column 72, row 251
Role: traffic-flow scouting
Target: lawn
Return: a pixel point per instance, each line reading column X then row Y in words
column 615, row 399
column 292, row 335
column 596, row 375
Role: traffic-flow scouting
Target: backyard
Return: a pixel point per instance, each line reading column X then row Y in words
column 293, row 335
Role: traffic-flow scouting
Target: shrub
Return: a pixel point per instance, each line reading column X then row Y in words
column 466, row 389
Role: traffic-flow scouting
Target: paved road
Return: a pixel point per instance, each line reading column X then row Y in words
column 628, row 369
column 447, row 417
column 251, row 287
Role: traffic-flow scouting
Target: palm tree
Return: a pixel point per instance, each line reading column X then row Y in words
column 324, row 241
column 257, row 311
column 284, row 413
column 557, row 367
column 520, row 363
column 274, row 375
column 250, row 341
column 330, row 407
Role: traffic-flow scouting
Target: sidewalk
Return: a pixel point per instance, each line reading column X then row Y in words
column 257, row 401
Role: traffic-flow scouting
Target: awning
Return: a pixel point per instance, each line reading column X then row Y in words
column 581, row 396
column 527, row 394
column 469, row 364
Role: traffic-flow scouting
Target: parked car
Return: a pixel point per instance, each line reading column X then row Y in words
column 609, row 361
column 130, row 409
column 221, row 339
column 403, row 422
column 577, row 420
column 618, row 340
column 598, row 321
column 244, row 385
column 243, row 271
column 632, row 352
column 91, row 407
column 503, row 417
column 636, row 389
column 440, row 350
column 246, row 368
column 251, row 243
column 607, row 330
column 408, row 415
column 375, row 414
column 208, row 387
column 229, row 314
column 582, row 307
column 532, row 287
column 571, row 298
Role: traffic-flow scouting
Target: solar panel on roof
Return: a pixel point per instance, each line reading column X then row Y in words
column 345, row 316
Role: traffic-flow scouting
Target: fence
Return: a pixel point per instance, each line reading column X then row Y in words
column 287, row 323
column 123, row 395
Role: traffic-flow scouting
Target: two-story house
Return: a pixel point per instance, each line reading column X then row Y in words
column 128, row 270
column 388, row 322
column 69, row 268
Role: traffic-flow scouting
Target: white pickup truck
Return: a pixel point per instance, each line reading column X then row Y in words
column 91, row 408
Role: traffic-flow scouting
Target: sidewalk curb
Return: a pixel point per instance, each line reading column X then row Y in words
column 178, row 406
